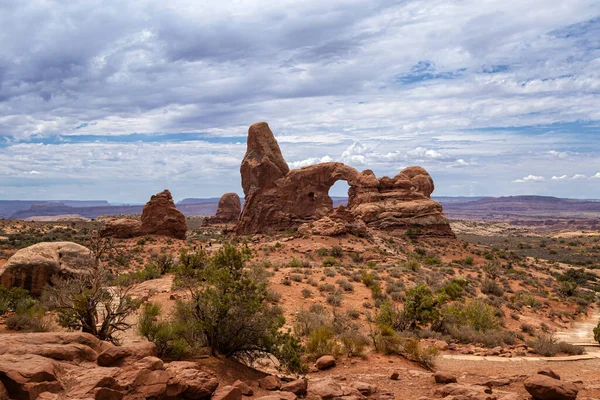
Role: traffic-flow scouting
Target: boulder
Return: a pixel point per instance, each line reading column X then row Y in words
column 199, row 384
column 26, row 376
column 279, row 199
column 33, row 267
column 270, row 382
column 325, row 362
column 466, row 392
column 121, row 228
column 325, row 388
column 227, row 393
column 444, row 377
column 112, row 355
column 548, row 372
column 542, row 387
column 244, row 388
column 279, row 396
column 366, row 389
column 161, row 217
column 228, row 210
column 298, row 387
column 60, row 346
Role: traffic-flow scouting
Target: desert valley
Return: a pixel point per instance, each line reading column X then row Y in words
column 287, row 293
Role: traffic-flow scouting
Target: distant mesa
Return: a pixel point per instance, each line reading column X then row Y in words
column 228, row 210
column 277, row 198
column 159, row 217
column 33, row 267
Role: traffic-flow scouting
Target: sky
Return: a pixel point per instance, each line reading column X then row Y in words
column 118, row 100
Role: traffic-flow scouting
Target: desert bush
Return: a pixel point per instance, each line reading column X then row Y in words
column 330, row 272
column 597, row 333
column 322, row 342
column 167, row 336
column 353, row 344
column 89, row 303
column 10, row 299
column 306, row 293
column 335, row 298
column 492, row 338
column 229, row 307
column 345, row 285
column 490, row 286
column 421, row 307
column 329, row 261
column 28, row 317
column 545, row 345
column 336, row 251
column 413, row 350
column 527, row 328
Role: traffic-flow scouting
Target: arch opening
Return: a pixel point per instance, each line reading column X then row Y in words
column 339, row 193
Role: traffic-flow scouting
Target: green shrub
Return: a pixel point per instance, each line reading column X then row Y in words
column 545, row 345
column 527, row 328
column 330, row 261
column 597, row 333
column 336, row 251
column 322, row 342
column 10, row 299
column 229, row 308
column 421, row 307
column 165, row 335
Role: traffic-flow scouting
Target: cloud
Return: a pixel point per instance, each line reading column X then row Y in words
column 530, row 178
column 510, row 87
column 560, row 178
column 597, row 176
column 423, row 153
column 309, row 161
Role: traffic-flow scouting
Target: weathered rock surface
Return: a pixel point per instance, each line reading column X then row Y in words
column 121, row 228
column 325, row 362
column 278, row 199
column 228, row 210
column 161, row 217
column 33, row 267
column 325, row 388
column 542, row 387
column 444, row 377
column 65, row 364
column 298, row 387
column 270, row 382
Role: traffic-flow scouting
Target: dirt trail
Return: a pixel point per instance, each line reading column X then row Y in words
column 581, row 333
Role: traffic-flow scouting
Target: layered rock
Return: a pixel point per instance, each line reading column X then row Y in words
column 278, row 199
column 228, row 210
column 49, row 367
column 33, row 267
column 121, row 228
column 161, row 217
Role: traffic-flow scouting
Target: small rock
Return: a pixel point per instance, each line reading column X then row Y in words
column 444, row 377
column 270, row 383
column 548, row 372
column 227, row 393
column 325, row 362
column 395, row 376
column 244, row 388
column 325, row 388
column 440, row 345
column 298, row 387
column 365, row 389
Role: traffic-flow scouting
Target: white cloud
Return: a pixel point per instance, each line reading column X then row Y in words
column 309, row 161
column 423, row 153
column 560, row 178
column 597, row 176
column 558, row 154
column 530, row 178
column 354, row 154
column 33, row 172
column 578, row 177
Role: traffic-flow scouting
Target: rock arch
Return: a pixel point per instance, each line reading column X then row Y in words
column 278, row 198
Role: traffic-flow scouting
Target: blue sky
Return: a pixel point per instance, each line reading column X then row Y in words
column 119, row 100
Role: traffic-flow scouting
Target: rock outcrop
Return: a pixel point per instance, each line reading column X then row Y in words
column 121, row 228
column 161, row 217
column 49, row 366
column 228, row 210
column 33, row 267
column 278, row 199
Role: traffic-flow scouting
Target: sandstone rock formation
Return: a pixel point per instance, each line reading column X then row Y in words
column 121, row 228
column 161, row 217
column 228, row 210
column 278, row 199
column 65, row 364
column 33, row 267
